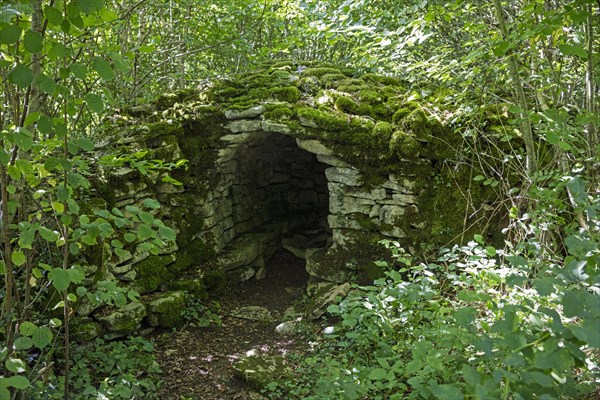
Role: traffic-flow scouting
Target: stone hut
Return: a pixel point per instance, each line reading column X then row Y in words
column 322, row 161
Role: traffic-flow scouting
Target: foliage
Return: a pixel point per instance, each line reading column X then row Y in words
column 199, row 315
column 476, row 324
column 108, row 370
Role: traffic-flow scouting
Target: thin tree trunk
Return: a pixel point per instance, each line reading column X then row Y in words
column 525, row 124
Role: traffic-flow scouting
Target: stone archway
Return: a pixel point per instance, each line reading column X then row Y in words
column 270, row 193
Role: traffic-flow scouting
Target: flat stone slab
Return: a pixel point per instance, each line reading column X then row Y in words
column 253, row 313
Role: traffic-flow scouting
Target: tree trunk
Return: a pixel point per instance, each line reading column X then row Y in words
column 520, row 100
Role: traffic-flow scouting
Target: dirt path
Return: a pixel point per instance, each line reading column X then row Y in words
column 197, row 362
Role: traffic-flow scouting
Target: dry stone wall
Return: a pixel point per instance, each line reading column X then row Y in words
column 315, row 160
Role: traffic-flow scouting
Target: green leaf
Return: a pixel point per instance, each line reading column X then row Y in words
column 448, row 392
column 479, row 178
column 23, row 343
column 542, row 379
column 78, row 70
column 118, row 61
column 76, row 274
column 21, row 76
column 60, row 278
column 57, row 51
column 48, row 234
column 33, row 42
column 45, row 84
column 146, row 217
column 10, row 34
column 103, row 68
column 31, row 118
column 502, row 48
column 26, row 238
column 15, row 365
column 167, row 233
column 145, row 232
column 27, row 328
column 151, row 203
column 42, row 337
column 491, row 251
column 377, row 374
column 86, row 144
column 108, row 15
column 94, row 102
column 130, row 237
column 465, row 316
column 53, row 15
column 478, row 238
column 45, row 124
column 17, row 381
column 18, row 258
column 90, row 6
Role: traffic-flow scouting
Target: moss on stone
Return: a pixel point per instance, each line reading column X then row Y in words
column 346, row 104
column 165, row 310
column 215, row 280
column 404, row 145
column 168, row 100
column 162, row 128
column 291, row 94
column 320, row 71
column 151, row 272
column 381, row 79
column 332, row 80
column 279, row 113
column 329, row 121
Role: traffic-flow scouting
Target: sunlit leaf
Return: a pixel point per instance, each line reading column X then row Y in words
column 21, row 76
column 45, row 83
column 94, row 102
column 60, row 278
column 103, row 68
column 33, row 42
column 42, row 337
column 18, row 258
column 10, row 34
column 53, row 15
column 90, row 6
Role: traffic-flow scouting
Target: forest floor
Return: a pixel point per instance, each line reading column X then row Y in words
column 197, row 362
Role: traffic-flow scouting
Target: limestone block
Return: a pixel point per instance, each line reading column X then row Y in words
column 241, row 274
column 389, row 213
column 332, row 160
column 270, row 126
column 314, row 146
column 347, row 176
column 244, row 125
column 342, row 237
column 343, row 222
column 260, row 274
column 318, row 265
column 127, row 277
column 237, row 138
column 130, row 189
column 326, row 294
column 253, row 313
column 394, row 232
column 373, row 194
column 123, row 320
column 349, row 205
column 226, row 154
column 261, row 369
column 168, row 188
column 404, row 199
column 166, row 310
column 241, row 252
column 308, row 122
column 248, row 113
column 375, row 210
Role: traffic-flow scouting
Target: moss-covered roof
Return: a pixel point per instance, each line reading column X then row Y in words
column 367, row 119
